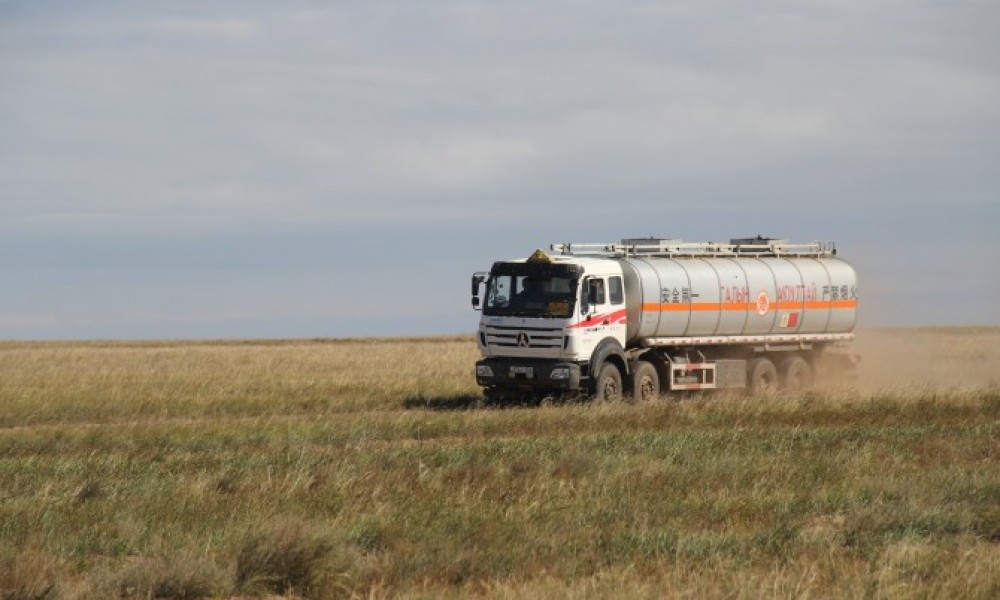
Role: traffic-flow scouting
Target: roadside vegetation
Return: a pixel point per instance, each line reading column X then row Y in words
column 326, row 469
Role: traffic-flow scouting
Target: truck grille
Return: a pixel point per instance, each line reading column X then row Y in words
column 524, row 337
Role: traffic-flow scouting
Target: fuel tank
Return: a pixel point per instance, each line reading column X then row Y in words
column 695, row 296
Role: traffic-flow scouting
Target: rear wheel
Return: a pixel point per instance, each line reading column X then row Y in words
column 645, row 382
column 609, row 384
column 762, row 377
column 796, row 374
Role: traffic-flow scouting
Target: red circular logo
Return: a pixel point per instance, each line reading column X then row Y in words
column 763, row 303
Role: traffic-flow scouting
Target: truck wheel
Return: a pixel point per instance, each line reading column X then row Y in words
column 763, row 377
column 609, row 384
column 796, row 374
column 645, row 382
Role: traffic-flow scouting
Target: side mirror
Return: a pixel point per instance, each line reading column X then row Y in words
column 585, row 296
column 477, row 280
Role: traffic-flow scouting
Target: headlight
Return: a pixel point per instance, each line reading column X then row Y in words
column 560, row 373
column 484, row 371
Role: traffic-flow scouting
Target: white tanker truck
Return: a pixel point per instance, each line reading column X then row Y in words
column 649, row 316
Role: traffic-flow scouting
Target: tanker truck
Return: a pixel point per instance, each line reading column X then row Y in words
column 652, row 316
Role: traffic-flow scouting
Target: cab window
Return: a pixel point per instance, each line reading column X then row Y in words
column 615, row 290
column 597, row 291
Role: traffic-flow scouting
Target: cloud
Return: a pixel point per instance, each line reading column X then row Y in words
column 297, row 101
column 225, row 28
column 521, row 121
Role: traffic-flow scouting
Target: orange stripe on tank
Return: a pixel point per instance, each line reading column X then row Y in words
column 739, row 306
column 832, row 304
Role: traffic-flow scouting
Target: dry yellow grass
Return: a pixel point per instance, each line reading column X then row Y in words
column 339, row 468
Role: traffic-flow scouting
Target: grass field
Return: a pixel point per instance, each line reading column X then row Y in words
column 325, row 469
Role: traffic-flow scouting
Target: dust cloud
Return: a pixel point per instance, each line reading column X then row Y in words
column 935, row 357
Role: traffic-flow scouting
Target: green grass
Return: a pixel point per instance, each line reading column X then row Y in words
column 334, row 469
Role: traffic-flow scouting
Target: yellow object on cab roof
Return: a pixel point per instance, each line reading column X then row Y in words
column 539, row 256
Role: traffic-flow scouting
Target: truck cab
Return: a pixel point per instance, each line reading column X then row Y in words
column 546, row 321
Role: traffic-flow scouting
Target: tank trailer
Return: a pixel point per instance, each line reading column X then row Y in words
column 650, row 316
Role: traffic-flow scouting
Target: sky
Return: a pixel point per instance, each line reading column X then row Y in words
column 249, row 169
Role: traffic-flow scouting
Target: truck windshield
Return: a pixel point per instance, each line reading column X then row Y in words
column 531, row 290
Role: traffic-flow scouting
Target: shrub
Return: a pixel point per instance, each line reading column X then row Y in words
column 27, row 576
column 183, row 577
column 283, row 558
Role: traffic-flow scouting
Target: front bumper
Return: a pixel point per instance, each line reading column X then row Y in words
column 526, row 373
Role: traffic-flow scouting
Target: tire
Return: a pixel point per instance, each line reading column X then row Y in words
column 762, row 377
column 796, row 374
column 645, row 382
column 608, row 387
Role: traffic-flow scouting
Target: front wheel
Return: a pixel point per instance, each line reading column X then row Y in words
column 609, row 384
column 645, row 382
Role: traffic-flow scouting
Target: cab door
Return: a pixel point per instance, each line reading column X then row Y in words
column 604, row 315
column 617, row 321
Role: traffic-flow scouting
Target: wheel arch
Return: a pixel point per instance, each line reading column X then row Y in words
column 609, row 350
column 659, row 362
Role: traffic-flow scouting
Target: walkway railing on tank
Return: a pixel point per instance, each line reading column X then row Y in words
column 678, row 248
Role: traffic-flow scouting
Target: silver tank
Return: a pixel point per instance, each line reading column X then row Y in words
column 688, row 297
